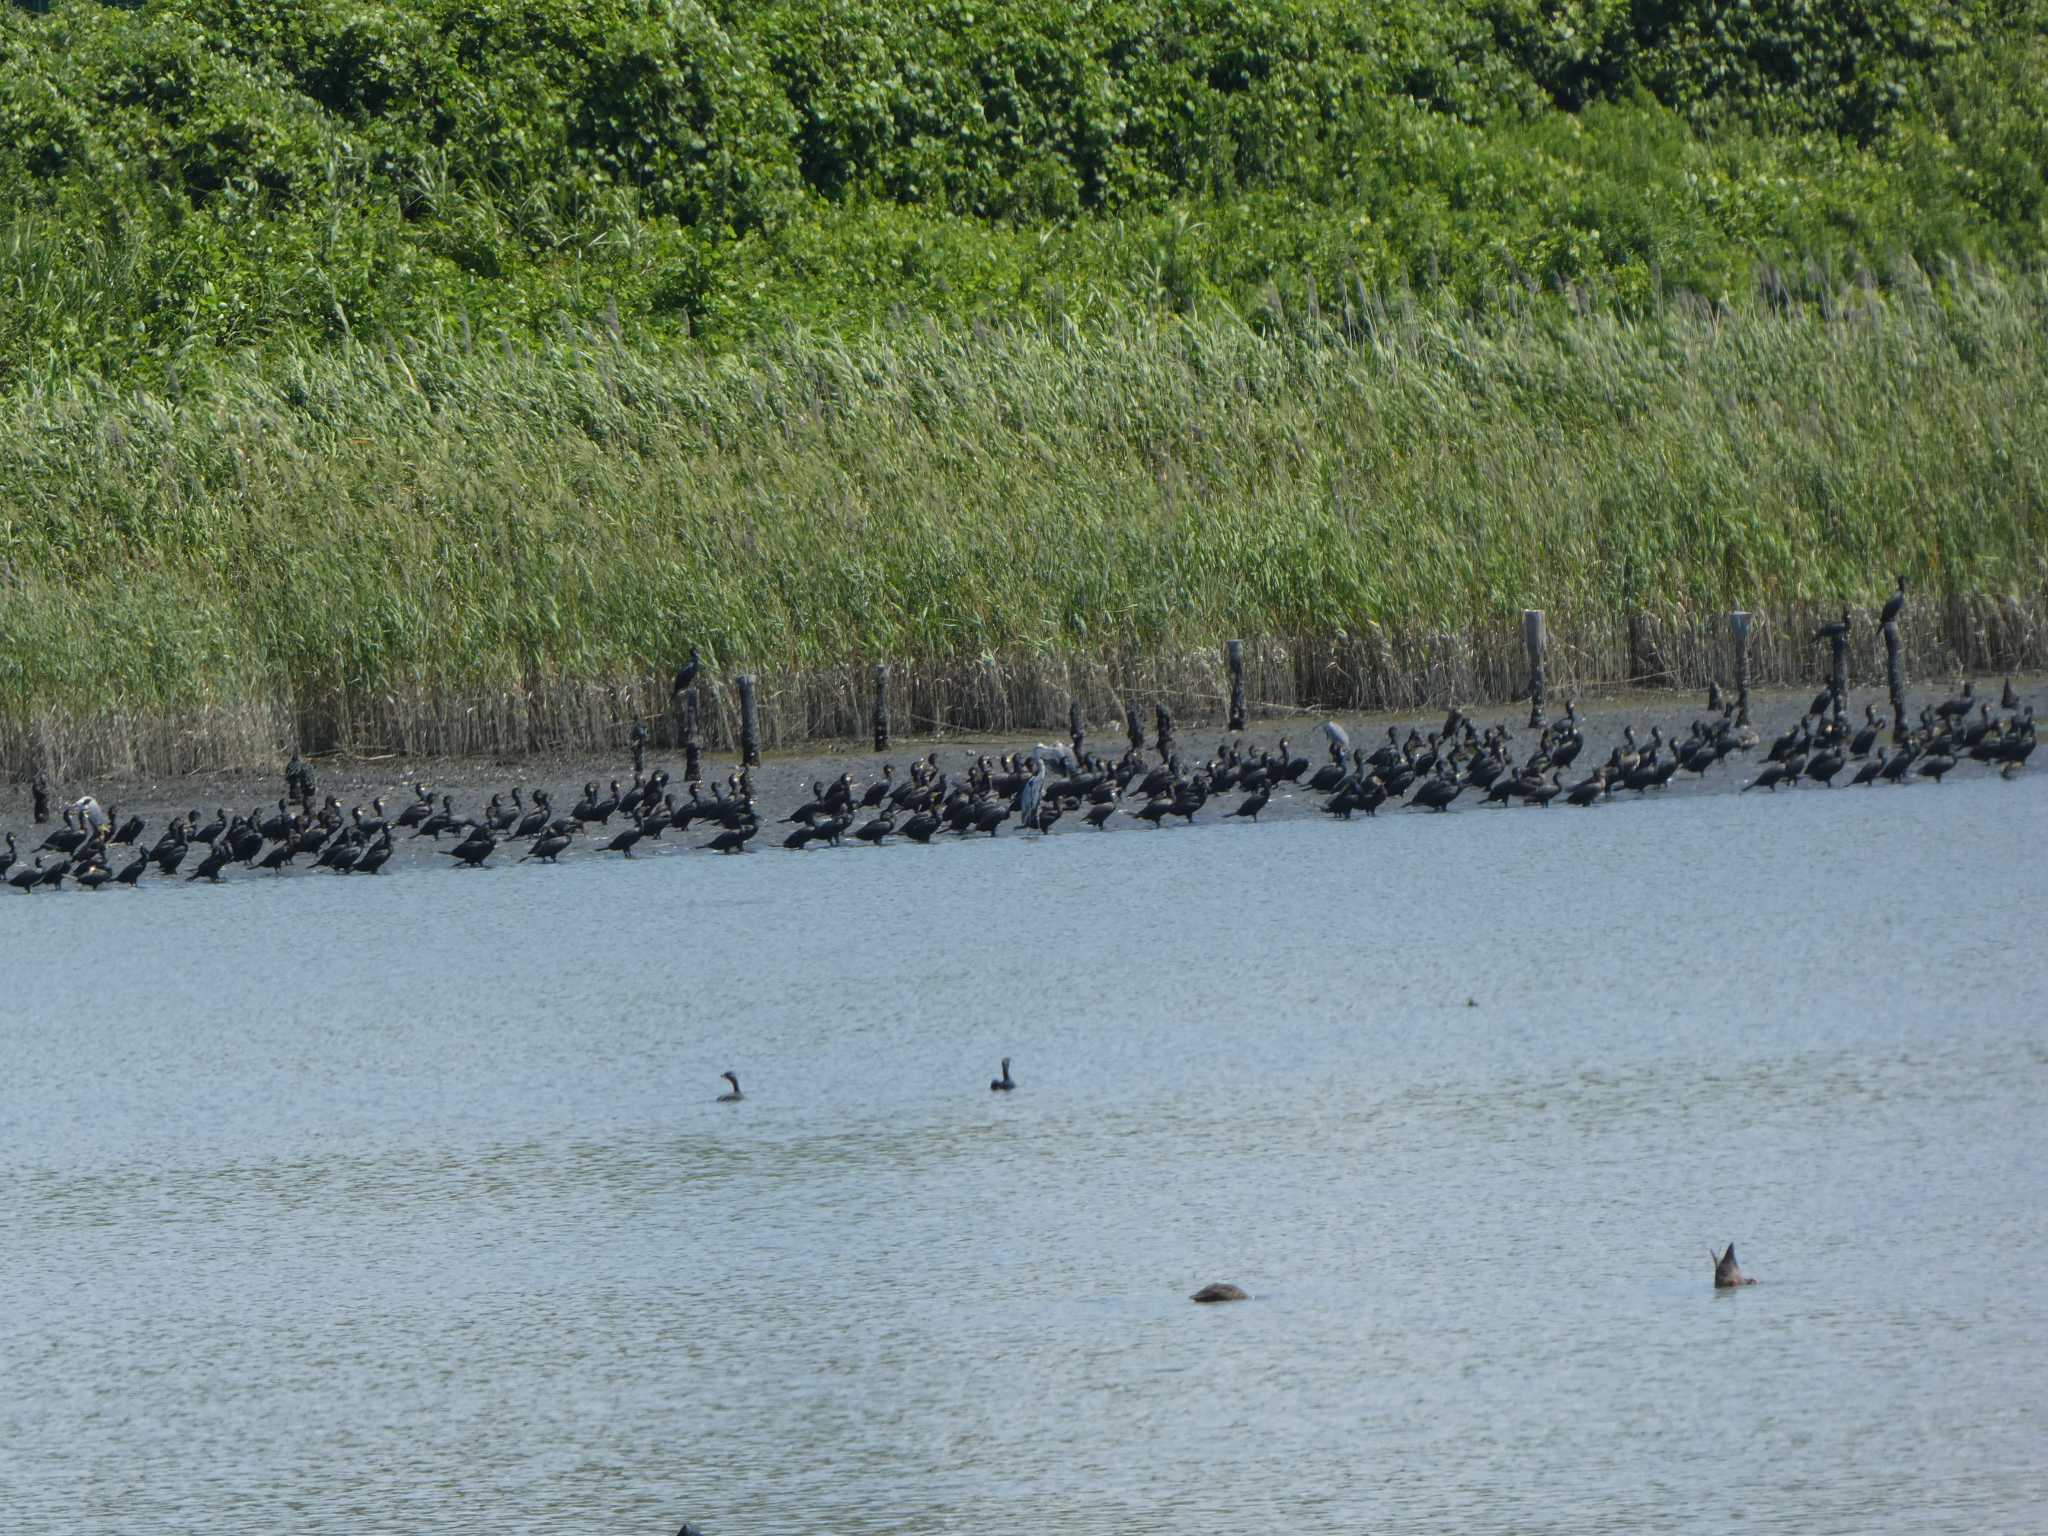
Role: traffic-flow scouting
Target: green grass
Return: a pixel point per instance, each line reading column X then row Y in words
column 378, row 535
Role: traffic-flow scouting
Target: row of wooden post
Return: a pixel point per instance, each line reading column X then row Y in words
column 1738, row 629
column 1534, row 640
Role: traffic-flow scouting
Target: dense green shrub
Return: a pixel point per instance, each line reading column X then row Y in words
column 200, row 174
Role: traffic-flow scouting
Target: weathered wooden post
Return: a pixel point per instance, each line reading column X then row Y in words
column 693, row 736
column 637, row 740
column 1533, row 642
column 1895, row 680
column 1134, row 728
column 1164, row 723
column 750, row 723
column 1738, row 626
column 881, row 706
column 1074, row 726
column 1233, row 655
column 39, row 790
column 1838, row 669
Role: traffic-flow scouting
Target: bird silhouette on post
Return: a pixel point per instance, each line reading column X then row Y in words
column 686, row 674
column 1894, row 605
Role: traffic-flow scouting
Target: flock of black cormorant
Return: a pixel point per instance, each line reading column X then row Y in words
column 1033, row 790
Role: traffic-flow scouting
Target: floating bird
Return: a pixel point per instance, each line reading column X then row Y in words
column 1219, row 1292
column 1003, row 1084
column 1726, row 1275
column 735, row 1096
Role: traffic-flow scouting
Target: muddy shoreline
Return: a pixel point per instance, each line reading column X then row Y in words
column 785, row 780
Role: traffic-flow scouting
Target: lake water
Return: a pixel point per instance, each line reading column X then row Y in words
column 404, row 1205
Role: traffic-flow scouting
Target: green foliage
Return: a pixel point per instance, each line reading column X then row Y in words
column 1848, row 67
column 198, row 175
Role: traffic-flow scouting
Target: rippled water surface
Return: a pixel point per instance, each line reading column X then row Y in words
column 404, row 1205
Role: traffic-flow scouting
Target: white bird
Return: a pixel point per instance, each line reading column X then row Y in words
column 1339, row 742
column 1053, row 757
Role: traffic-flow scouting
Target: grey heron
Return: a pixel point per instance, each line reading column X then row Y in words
column 1031, row 795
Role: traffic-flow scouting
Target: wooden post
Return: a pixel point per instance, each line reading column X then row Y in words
column 1838, row 671
column 882, row 706
column 39, row 789
column 693, row 737
column 637, row 740
column 1895, row 680
column 1164, row 721
column 750, row 723
column 1134, row 728
column 1738, row 626
column 1533, row 641
column 1074, row 727
column 1233, row 656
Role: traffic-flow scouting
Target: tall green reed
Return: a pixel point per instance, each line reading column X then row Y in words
column 440, row 544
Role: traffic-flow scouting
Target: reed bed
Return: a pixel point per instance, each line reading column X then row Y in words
column 453, row 545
